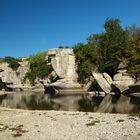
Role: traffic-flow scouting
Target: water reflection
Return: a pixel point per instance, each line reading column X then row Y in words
column 39, row 101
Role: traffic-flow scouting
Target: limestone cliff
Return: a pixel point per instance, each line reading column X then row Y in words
column 14, row 79
column 63, row 62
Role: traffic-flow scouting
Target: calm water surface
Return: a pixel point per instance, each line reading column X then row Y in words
column 40, row 101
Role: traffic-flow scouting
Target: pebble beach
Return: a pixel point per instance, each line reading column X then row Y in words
column 67, row 125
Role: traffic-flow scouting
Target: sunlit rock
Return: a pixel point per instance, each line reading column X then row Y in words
column 105, row 86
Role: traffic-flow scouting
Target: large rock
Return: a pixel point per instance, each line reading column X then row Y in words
column 103, row 83
column 63, row 63
column 65, row 84
column 55, row 87
column 123, row 80
column 108, row 78
column 14, row 78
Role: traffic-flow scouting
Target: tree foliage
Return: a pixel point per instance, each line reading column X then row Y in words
column 87, row 59
column 38, row 67
column 104, row 51
column 133, row 57
column 113, row 44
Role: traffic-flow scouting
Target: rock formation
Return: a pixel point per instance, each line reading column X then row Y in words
column 14, row 79
column 108, row 78
column 122, row 79
column 65, row 84
column 63, row 63
column 103, row 83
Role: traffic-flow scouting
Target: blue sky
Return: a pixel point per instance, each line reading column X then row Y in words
column 31, row 26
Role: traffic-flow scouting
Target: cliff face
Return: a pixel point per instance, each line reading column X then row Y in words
column 13, row 78
column 63, row 63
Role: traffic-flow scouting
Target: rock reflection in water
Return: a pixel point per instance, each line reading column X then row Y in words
column 39, row 101
column 108, row 104
column 120, row 104
column 26, row 101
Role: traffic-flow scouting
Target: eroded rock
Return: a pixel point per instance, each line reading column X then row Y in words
column 103, row 83
column 65, row 84
column 63, row 63
column 108, row 78
column 122, row 79
column 14, row 79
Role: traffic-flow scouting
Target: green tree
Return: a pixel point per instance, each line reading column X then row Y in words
column 95, row 39
column 86, row 59
column 112, row 46
column 38, row 67
column 133, row 57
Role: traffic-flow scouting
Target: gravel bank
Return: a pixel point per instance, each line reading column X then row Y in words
column 62, row 125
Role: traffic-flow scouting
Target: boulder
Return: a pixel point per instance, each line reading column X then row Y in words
column 123, row 80
column 108, row 78
column 63, row 63
column 54, row 88
column 103, row 83
column 65, row 84
column 14, row 78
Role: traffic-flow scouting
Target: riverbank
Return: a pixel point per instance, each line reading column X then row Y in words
column 67, row 125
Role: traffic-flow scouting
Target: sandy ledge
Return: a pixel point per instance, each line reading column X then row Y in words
column 63, row 125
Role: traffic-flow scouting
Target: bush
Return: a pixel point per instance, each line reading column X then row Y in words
column 38, row 67
column 13, row 62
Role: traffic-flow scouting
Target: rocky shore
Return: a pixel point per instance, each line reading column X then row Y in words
column 62, row 125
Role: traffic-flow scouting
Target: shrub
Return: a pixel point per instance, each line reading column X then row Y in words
column 13, row 62
column 38, row 67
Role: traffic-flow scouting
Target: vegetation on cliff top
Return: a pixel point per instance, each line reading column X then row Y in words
column 38, row 67
column 13, row 62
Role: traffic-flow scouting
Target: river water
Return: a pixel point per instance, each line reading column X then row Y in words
column 40, row 101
